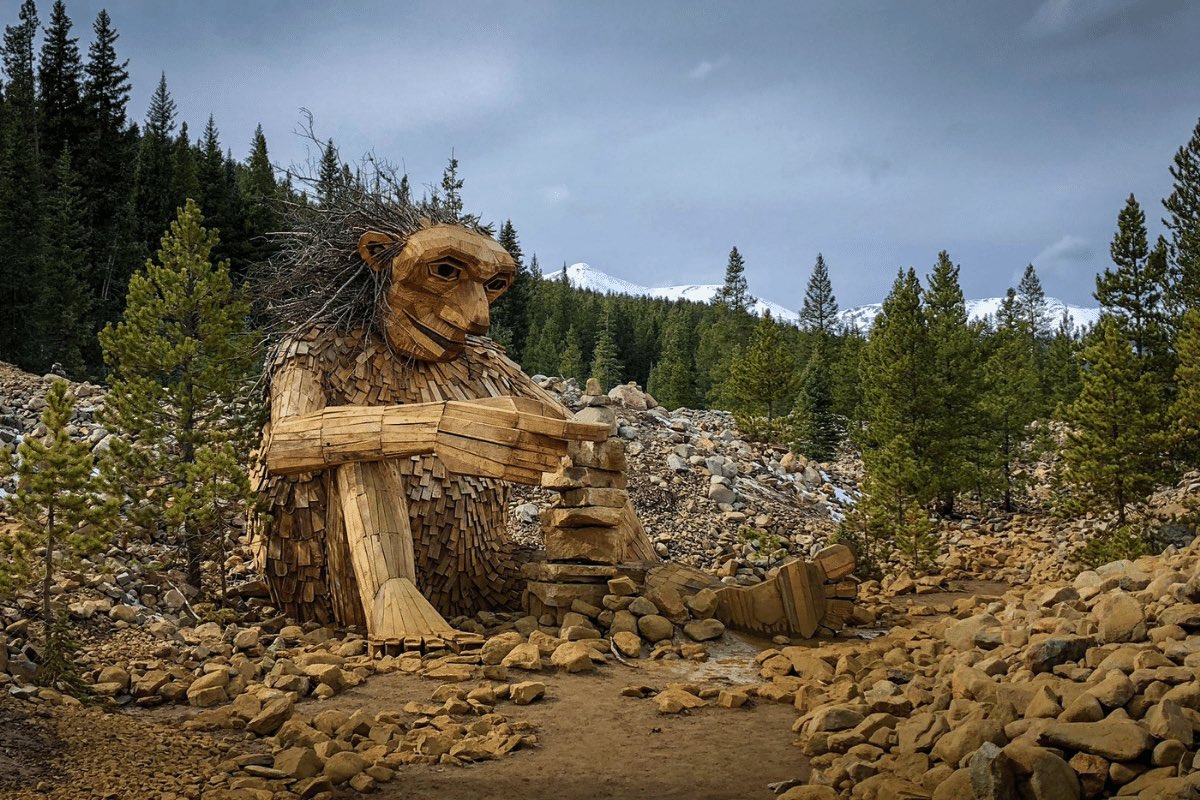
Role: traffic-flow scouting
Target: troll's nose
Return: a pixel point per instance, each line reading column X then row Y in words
column 470, row 314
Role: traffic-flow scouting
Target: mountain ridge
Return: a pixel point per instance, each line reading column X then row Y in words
column 584, row 276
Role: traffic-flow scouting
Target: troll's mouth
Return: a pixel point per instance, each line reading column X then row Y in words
column 439, row 339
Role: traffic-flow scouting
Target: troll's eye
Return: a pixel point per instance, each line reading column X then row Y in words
column 446, row 270
column 495, row 284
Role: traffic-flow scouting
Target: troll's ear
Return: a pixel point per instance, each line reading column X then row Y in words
column 372, row 246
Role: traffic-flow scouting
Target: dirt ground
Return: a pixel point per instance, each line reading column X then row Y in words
column 594, row 743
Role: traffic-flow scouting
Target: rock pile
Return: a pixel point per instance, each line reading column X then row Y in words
column 707, row 497
column 1080, row 690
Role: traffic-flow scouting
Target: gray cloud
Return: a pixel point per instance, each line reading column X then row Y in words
column 1057, row 18
column 1065, row 256
column 648, row 138
column 706, row 68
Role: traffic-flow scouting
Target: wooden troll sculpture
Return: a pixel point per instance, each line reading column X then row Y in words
column 387, row 445
column 394, row 427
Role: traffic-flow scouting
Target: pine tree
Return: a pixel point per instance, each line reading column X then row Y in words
column 672, row 380
column 510, row 313
column 60, row 81
column 106, row 165
column 571, row 365
column 262, row 194
column 61, row 311
column 891, row 511
column 62, row 514
column 1116, row 443
column 1032, row 305
column 1183, row 221
column 954, row 384
column 212, row 187
column 181, row 361
column 1133, row 293
column 22, row 190
column 1061, row 366
column 820, row 429
column 1185, row 410
column 184, row 170
column 1009, row 403
column 899, row 401
column 329, row 176
column 451, row 196
column 762, row 379
column 734, row 294
column 819, row 313
column 154, row 198
column 606, row 361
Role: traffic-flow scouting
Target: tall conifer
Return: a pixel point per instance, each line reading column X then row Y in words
column 22, row 189
column 61, row 312
column 954, row 385
column 60, row 80
column 1183, row 221
column 1185, row 411
column 819, row 313
column 1116, row 443
column 154, row 198
column 1133, row 292
column 734, row 293
column 899, row 401
column 762, row 377
column 106, row 165
column 181, row 361
column 606, row 360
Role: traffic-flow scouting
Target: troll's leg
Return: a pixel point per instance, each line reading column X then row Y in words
column 381, row 551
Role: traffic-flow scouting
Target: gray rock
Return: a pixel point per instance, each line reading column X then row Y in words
column 991, row 774
column 1045, row 655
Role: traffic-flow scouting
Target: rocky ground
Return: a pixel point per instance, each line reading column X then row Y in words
column 1005, row 672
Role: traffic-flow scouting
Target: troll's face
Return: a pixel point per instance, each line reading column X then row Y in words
column 442, row 282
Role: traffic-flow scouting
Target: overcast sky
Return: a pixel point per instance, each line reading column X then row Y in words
column 647, row 138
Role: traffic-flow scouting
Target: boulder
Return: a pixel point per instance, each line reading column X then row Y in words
column 1185, row 615
column 1041, row 774
column 341, row 767
column 655, row 628
column 209, row 689
column 573, row 657
column 674, row 699
column 298, row 762
column 703, row 604
column 809, row 793
column 628, row 644
column 525, row 692
column 961, row 634
column 991, row 774
column 499, row 646
column 704, row 630
column 1166, row 720
column 271, row 718
column 1045, row 655
column 1121, row 618
column 1116, row 740
column 524, row 656
column 967, row 737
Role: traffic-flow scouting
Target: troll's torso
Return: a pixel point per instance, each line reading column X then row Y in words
column 459, row 523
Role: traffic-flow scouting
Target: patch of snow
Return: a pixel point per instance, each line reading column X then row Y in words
column 585, row 276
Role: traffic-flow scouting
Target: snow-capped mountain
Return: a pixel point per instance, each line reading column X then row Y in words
column 863, row 317
column 584, row 276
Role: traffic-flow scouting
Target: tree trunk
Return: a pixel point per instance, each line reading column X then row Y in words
column 48, row 564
